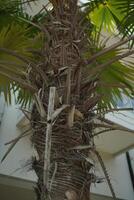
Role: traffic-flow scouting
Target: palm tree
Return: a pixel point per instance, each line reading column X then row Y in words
column 60, row 64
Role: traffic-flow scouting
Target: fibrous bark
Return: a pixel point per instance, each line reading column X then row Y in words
column 63, row 67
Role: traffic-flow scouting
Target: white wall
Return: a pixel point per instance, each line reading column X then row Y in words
column 132, row 158
column 118, row 171
column 13, row 164
column 35, row 7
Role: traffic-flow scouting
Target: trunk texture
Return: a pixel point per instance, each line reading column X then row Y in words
column 62, row 137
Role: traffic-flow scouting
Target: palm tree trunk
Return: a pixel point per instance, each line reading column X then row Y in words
column 68, row 170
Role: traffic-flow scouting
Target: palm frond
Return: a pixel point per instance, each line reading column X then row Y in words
column 22, row 96
column 14, row 6
column 106, row 16
column 114, row 80
column 92, row 4
column 10, row 10
column 14, row 61
column 111, row 15
column 111, row 73
column 127, row 9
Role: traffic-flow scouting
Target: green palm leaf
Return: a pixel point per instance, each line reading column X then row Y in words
column 10, row 10
column 14, row 59
column 106, row 16
column 127, row 9
column 112, row 80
